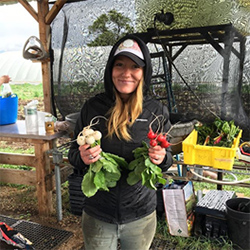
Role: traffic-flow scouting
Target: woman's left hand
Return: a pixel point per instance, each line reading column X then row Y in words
column 157, row 154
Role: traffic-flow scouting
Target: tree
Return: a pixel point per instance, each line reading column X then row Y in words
column 109, row 28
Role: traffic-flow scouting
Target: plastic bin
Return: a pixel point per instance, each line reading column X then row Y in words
column 212, row 156
column 8, row 109
column 71, row 119
column 178, row 133
column 238, row 222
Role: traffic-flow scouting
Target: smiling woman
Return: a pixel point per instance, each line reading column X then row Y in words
column 126, row 76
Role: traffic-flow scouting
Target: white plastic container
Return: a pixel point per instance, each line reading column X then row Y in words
column 31, row 118
column 6, row 90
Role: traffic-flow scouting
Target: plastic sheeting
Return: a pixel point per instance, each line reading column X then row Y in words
column 78, row 69
column 20, row 70
column 196, row 13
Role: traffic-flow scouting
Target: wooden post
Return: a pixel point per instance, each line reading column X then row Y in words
column 44, row 17
column 44, row 30
column 44, row 198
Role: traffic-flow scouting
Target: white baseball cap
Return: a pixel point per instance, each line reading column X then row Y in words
column 131, row 49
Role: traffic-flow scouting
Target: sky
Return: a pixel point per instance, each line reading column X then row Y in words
column 16, row 26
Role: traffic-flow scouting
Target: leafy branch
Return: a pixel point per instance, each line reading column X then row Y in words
column 109, row 28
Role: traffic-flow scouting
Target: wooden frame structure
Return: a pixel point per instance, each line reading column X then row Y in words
column 216, row 35
column 43, row 177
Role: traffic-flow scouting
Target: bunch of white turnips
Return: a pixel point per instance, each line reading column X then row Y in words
column 89, row 136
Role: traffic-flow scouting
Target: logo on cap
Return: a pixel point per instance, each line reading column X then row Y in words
column 131, row 46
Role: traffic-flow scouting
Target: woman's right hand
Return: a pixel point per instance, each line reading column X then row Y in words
column 4, row 79
column 90, row 155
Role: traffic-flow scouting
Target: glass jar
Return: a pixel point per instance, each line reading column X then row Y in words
column 49, row 124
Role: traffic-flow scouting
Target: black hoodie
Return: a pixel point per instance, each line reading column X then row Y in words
column 123, row 203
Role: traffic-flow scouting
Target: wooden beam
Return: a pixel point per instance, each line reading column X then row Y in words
column 26, row 177
column 43, row 169
column 17, row 176
column 214, row 43
column 7, row 2
column 18, row 159
column 44, row 30
column 54, row 11
column 25, row 140
column 29, row 8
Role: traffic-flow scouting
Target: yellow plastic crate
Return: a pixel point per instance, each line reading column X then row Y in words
column 212, row 156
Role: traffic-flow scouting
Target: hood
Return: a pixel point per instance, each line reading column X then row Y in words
column 108, row 84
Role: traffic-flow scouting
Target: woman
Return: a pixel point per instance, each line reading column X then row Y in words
column 125, row 213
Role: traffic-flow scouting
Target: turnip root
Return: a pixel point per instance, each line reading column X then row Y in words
column 97, row 135
column 87, row 131
column 80, row 139
column 89, row 139
column 90, row 136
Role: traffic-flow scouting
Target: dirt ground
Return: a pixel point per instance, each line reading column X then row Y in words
column 20, row 203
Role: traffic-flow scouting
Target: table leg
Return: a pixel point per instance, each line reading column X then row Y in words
column 43, row 169
column 219, row 178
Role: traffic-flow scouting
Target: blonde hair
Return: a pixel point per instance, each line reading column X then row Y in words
column 124, row 114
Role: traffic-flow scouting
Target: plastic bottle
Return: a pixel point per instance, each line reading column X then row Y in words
column 31, row 117
column 6, row 90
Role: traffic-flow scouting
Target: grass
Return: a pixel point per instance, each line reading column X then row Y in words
column 192, row 242
column 7, row 148
column 27, row 91
column 241, row 175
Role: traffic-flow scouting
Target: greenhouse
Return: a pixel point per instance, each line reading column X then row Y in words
column 21, row 70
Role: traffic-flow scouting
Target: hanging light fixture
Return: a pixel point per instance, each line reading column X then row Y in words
column 166, row 18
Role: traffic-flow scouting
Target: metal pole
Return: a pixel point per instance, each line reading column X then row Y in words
column 57, row 159
column 58, row 193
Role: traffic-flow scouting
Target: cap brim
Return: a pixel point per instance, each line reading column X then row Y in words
column 133, row 57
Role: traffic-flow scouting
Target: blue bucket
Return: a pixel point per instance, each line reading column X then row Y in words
column 8, row 109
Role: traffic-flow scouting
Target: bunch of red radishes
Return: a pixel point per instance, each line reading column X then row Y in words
column 158, row 139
